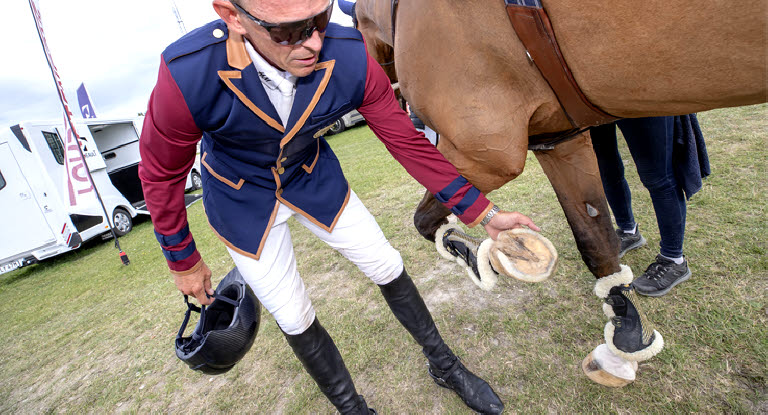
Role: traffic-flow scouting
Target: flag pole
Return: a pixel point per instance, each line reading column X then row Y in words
column 178, row 18
column 68, row 117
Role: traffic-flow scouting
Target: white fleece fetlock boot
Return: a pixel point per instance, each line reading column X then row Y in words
column 629, row 336
column 517, row 253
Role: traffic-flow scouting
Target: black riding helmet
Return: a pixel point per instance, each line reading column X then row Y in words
column 226, row 329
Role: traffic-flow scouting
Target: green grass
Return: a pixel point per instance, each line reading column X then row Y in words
column 84, row 334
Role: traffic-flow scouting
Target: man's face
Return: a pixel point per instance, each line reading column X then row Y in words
column 299, row 60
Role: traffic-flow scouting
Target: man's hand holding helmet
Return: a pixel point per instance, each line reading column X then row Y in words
column 196, row 282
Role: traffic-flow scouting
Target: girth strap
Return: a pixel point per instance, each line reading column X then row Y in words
column 534, row 29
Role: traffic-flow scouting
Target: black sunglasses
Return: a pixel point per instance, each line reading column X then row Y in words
column 293, row 33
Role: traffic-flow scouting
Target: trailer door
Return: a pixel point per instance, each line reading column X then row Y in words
column 22, row 224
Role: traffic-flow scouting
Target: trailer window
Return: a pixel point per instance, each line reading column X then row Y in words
column 2, row 181
column 54, row 143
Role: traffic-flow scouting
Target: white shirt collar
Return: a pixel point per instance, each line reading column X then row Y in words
column 270, row 76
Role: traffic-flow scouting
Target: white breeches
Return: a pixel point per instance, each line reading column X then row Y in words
column 276, row 281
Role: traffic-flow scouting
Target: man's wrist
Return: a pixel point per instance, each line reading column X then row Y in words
column 491, row 213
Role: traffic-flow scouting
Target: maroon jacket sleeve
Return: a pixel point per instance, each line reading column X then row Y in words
column 168, row 146
column 417, row 155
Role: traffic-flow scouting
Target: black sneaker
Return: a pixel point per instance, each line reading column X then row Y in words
column 661, row 276
column 629, row 241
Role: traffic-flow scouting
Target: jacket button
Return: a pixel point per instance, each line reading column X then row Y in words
column 282, row 160
column 218, row 33
column 281, row 170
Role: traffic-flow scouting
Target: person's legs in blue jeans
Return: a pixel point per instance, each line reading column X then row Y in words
column 650, row 144
column 615, row 186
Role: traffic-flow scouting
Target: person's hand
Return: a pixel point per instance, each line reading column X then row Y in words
column 508, row 220
column 196, row 283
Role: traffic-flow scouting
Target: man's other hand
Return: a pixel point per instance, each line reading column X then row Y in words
column 508, row 220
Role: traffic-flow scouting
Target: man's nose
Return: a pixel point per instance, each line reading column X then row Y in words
column 314, row 42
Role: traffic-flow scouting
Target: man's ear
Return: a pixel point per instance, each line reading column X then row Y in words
column 229, row 15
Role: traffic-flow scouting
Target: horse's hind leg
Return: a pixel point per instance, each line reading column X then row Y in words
column 429, row 215
column 572, row 169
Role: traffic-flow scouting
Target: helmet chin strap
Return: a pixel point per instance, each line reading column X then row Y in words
column 191, row 307
column 222, row 298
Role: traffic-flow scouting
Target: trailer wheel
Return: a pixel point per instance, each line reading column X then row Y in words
column 122, row 221
column 197, row 181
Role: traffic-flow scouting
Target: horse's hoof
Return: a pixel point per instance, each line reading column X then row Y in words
column 607, row 369
column 523, row 254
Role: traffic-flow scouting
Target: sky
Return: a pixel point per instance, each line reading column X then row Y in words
column 112, row 46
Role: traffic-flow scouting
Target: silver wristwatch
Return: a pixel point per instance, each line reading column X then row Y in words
column 491, row 213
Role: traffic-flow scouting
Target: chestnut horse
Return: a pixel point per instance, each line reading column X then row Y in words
column 464, row 71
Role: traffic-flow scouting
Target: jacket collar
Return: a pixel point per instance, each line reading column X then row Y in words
column 249, row 89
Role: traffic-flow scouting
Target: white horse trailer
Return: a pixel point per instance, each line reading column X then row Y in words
column 48, row 205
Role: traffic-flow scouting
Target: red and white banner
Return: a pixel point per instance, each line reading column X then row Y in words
column 78, row 182
column 77, row 178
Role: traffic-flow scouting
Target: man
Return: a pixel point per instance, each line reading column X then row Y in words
column 261, row 86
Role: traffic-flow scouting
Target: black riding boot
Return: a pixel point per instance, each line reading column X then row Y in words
column 444, row 367
column 322, row 360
